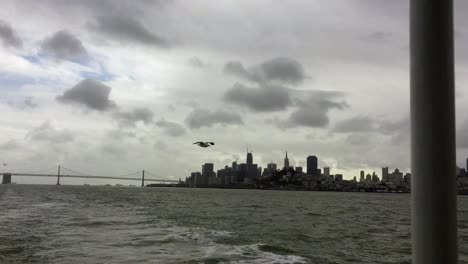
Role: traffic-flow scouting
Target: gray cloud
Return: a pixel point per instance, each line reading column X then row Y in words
column 125, row 29
column 462, row 135
column 171, row 128
column 9, row 36
column 196, row 63
column 281, row 69
column 263, row 99
column 10, row 145
column 27, row 102
column 378, row 35
column 355, row 124
column 130, row 118
column 312, row 113
column 64, row 45
column 47, row 131
column 203, row 117
column 89, row 93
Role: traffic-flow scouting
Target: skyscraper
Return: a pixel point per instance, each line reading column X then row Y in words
column 385, row 174
column 286, row 161
column 207, row 172
column 312, row 165
column 326, row 172
column 361, row 179
column 249, row 160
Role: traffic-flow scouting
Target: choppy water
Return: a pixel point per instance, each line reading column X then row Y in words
column 86, row 224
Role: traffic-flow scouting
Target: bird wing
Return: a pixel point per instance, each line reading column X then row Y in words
column 197, row 142
column 212, row 143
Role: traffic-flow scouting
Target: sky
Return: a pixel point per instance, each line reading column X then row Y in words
column 113, row 87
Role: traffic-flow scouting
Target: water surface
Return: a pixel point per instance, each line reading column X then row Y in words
column 91, row 224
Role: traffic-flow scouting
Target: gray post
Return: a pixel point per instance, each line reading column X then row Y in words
column 143, row 178
column 58, row 176
column 434, row 221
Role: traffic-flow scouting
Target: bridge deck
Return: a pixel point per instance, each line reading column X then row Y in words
column 89, row 177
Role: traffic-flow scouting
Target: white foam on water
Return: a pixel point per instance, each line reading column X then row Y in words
column 199, row 245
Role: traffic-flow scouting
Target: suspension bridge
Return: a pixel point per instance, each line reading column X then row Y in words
column 63, row 172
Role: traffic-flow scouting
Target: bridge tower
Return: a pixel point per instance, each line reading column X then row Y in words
column 143, row 178
column 58, row 176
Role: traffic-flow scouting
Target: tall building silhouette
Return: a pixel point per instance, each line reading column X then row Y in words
column 207, row 173
column 385, row 174
column 249, row 159
column 312, row 164
column 361, row 178
column 286, row 161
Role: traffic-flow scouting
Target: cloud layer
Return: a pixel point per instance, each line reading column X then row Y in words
column 64, row 45
column 89, row 93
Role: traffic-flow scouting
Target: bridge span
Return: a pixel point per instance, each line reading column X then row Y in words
column 7, row 176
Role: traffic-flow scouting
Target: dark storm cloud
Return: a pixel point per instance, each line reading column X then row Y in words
column 205, row 118
column 64, row 45
column 89, row 93
column 281, row 69
column 127, row 29
column 171, row 128
column 130, row 118
column 9, row 36
column 263, row 99
column 196, row 63
column 49, row 133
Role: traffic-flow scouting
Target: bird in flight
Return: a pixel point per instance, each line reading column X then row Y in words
column 4, row 164
column 204, row 144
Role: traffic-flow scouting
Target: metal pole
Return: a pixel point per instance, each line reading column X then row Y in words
column 434, row 221
column 58, row 176
column 143, row 179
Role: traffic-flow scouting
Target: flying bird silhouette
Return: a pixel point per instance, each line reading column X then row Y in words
column 4, row 164
column 204, row 144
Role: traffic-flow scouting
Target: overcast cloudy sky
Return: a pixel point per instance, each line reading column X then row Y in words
column 110, row 87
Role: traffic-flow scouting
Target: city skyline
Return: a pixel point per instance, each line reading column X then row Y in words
column 107, row 94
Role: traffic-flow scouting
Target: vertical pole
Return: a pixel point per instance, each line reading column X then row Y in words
column 434, row 221
column 143, row 178
column 58, row 176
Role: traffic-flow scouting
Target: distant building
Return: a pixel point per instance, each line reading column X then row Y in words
column 339, row 177
column 298, row 169
column 286, row 161
column 196, row 178
column 375, row 178
column 385, row 174
column 326, row 172
column 395, row 177
column 312, row 165
column 361, row 179
column 207, row 173
column 368, row 178
column 6, row 178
